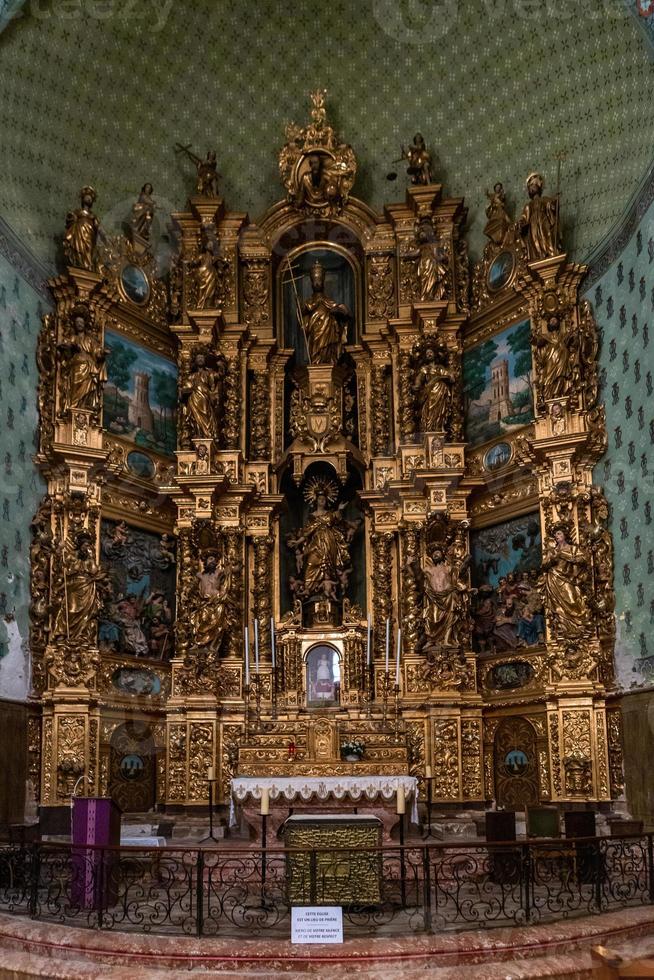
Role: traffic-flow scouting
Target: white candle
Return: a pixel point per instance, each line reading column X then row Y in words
column 401, row 804
column 368, row 649
column 256, row 646
column 428, row 772
column 272, row 640
column 211, row 774
column 397, row 658
column 388, row 641
column 265, row 802
column 247, row 658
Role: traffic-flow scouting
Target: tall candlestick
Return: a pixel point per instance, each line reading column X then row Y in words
column 247, row 657
column 272, row 640
column 256, row 645
column 368, row 648
column 388, row 641
column 397, row 658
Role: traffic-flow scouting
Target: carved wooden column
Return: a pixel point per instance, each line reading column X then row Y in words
column 382, row 585
column 233, row 399
column 380, row 409
column 262, row 586
column 410, row 540
column 260, row 409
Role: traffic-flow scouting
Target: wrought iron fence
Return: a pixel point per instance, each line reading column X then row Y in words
column 417, row 888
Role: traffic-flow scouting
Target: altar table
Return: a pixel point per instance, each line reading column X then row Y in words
column 361, row 791
column 332, row 877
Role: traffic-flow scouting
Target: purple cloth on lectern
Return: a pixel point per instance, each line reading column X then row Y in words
column 95, row 820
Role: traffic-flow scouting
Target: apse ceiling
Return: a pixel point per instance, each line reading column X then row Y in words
column 100, row 92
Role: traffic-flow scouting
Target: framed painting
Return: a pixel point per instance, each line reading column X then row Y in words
column 507, row 606
column 140, row 396
column 138, row 618
column 498, row 384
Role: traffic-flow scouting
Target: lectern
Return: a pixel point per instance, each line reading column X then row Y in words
column 96, row 821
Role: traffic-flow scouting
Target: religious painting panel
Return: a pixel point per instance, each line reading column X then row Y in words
column 318, row 304
column 323, row 676
column 140, row 396
column 507, row 606
column 137, row 620
column 498, row 384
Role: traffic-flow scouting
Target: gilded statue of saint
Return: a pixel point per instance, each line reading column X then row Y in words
column 322, row 546
column 419, row 158
column 555, row 358
column 84, row 371
column 432, row 266
column 446, row 599
column 81, row 232
column 212, row 617
column 206, row 184
column 84, row 587
column 499, row 222
column 323, row 185
column 207, row 273
column 434, row 389
column 202, row 398
column 143, row 213
column 539, row 221
column 563, row 570
column 325, row 321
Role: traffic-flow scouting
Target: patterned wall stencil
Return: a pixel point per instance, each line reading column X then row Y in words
column 21, row 488
column 100, row 92
column 623, row 299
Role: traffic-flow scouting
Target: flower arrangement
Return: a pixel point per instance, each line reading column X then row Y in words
column 353, row 749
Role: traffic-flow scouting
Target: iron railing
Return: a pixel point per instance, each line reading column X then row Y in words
column 230, row 891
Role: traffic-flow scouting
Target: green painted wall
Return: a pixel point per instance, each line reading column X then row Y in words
column 100, row 92
column 623, row 300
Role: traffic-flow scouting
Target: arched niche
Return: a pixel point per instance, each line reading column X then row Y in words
column 343, row 284
column 296, row 515
column 322, row 675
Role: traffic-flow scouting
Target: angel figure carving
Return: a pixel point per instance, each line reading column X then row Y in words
column 206, row 184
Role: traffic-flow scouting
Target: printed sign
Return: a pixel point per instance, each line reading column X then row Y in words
column 317, row 924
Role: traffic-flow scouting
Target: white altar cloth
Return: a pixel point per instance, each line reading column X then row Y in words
column 359, row 789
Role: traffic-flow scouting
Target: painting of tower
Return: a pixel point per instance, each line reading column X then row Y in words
column 500, row 406
column 140, row 413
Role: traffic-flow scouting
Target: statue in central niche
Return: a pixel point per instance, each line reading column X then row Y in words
column 322, row 546
column 325, row 321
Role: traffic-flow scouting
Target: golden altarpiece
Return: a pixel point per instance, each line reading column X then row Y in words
column 322, row 428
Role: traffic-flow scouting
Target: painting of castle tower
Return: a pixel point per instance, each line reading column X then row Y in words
column 498, row 384
column 140, row 396
column 139, row 412
column 500, row 405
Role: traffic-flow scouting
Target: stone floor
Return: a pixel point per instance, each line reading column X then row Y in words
column 32, row 949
